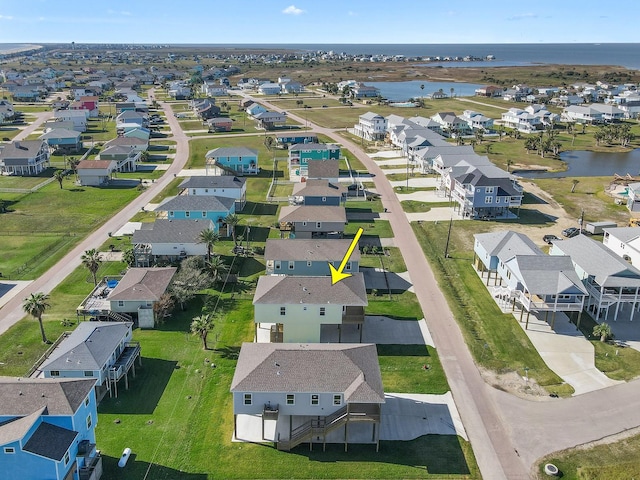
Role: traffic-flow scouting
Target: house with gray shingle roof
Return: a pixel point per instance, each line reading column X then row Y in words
column 312, row 221
column 138, row 291
column 232, row 161
column 308, row 257
column 297, row 306
column 318, row 192
column 24, row 157
column 610, row 280
column 92, row 350
column 169, row 240
column 47, row 429
column 229, row 186
column 62, row 139
column 312, row 391
column 524, row 275
column 199, row 207
column 486, row 192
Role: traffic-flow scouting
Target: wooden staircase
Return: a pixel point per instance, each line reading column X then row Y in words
column 320, row 426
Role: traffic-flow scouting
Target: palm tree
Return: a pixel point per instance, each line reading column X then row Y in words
column 602, row 330
column 59, row 176
column 201, row 326
column 209, row 237
column 574, row 183
column 35, row 305
column 451, row 90
column 232, row 220
column 217, row 267
column 91, row 260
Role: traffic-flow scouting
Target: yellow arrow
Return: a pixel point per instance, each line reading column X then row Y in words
column 337, row 275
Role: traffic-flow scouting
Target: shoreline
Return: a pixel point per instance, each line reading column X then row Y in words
column 22, row 48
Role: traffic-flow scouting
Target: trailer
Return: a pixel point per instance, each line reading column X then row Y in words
column 597, row 228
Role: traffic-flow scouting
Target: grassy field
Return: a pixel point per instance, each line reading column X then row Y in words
column 618, row 460
column 413, row 206
column 392, row 260
column 33, row 237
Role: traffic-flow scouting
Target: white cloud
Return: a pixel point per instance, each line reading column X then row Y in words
column 6, row 17
column 292, row 10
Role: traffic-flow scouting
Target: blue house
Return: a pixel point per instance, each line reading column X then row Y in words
column 232, row 161
column 318, row 192
column 308, row 257
column 62, row 139
column 286, row 139
column 47, row 429
column 300, row 155
column 196, row 207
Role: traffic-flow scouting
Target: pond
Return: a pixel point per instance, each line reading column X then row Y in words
column 582, row 163
column 403, row 91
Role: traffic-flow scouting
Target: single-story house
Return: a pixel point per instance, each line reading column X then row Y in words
column 94, row 173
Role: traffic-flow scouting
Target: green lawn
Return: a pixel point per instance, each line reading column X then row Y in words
column 618, row 460
column 392, row 260
column 413, row 206
column 39, row 228
column 377, row 228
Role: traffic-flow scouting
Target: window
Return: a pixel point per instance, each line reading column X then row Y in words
column 348, row 266
column 488, row 199
column 55, row 373
column 291, row 399
column 187, row 214
column 193, row 191
column 497, row 199
column 318, row 224
column 9, row 450
column 292, row 265
column 170, row 213
column 283, row 311
column 324, row 199
column 315, row 399
column 86, row 402
column 309, row 263
column 248, row 399
column 66, row 458
column 278, row 264
column 337, row 399
column 89, row 422
column 323, row 311
column 304, row 224
column 488, row 189
column 204, row 214
column 206, row 190
column 88, row 373
column 121, row 303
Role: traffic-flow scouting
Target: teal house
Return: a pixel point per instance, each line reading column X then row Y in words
column 232, row 161
column 195, row 207
column 301, row 153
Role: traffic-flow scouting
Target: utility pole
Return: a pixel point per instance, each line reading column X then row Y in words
column 446, row 248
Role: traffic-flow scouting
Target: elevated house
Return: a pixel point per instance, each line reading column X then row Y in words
column 220, row 124
column 126, row 157
column 371, row 126
column 610, row 280
column 254, row 109
column 360, row 90
column 489, row 91
column 318, row 192
column 477, row 121
column 205, row 108
column 284, row 140
column 314, row 221
column 100, row 350
column 437, row 158
column 519, row 273
column 451, row 125
column 522, row 120
column 314, row 392
column 486, row 195
column 95, row 173
column 169, row 241
column 198, row 207
column 624, row 242
column 129, row 117
column 24, row 157
column 224, row 186
column 302, row 153
column 138, row 290
column 270, row 120
column 232, row 161
column 136, row 144
column 88, row 103
column 63, row 140
column 308, row 257
column 77, row 117
column 47, row 429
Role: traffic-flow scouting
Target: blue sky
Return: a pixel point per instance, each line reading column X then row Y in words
column 326, row 21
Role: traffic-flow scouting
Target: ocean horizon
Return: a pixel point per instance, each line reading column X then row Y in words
column 506, row 54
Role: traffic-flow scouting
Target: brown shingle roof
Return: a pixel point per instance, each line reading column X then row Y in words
column 308, row 250
column 143, row 284
column 313, row 213
column 289, row 289
column 346, row 368
column 23, row 396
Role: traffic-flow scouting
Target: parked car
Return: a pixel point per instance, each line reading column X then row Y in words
column 571, row 232
column 550, row 238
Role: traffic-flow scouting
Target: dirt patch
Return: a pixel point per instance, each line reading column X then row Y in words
column 513, row 383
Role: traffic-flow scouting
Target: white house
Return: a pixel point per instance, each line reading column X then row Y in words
column 371, row 126
column 624, row 242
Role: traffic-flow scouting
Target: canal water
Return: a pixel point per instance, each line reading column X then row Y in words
column 581, row 163
column 403, row 91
